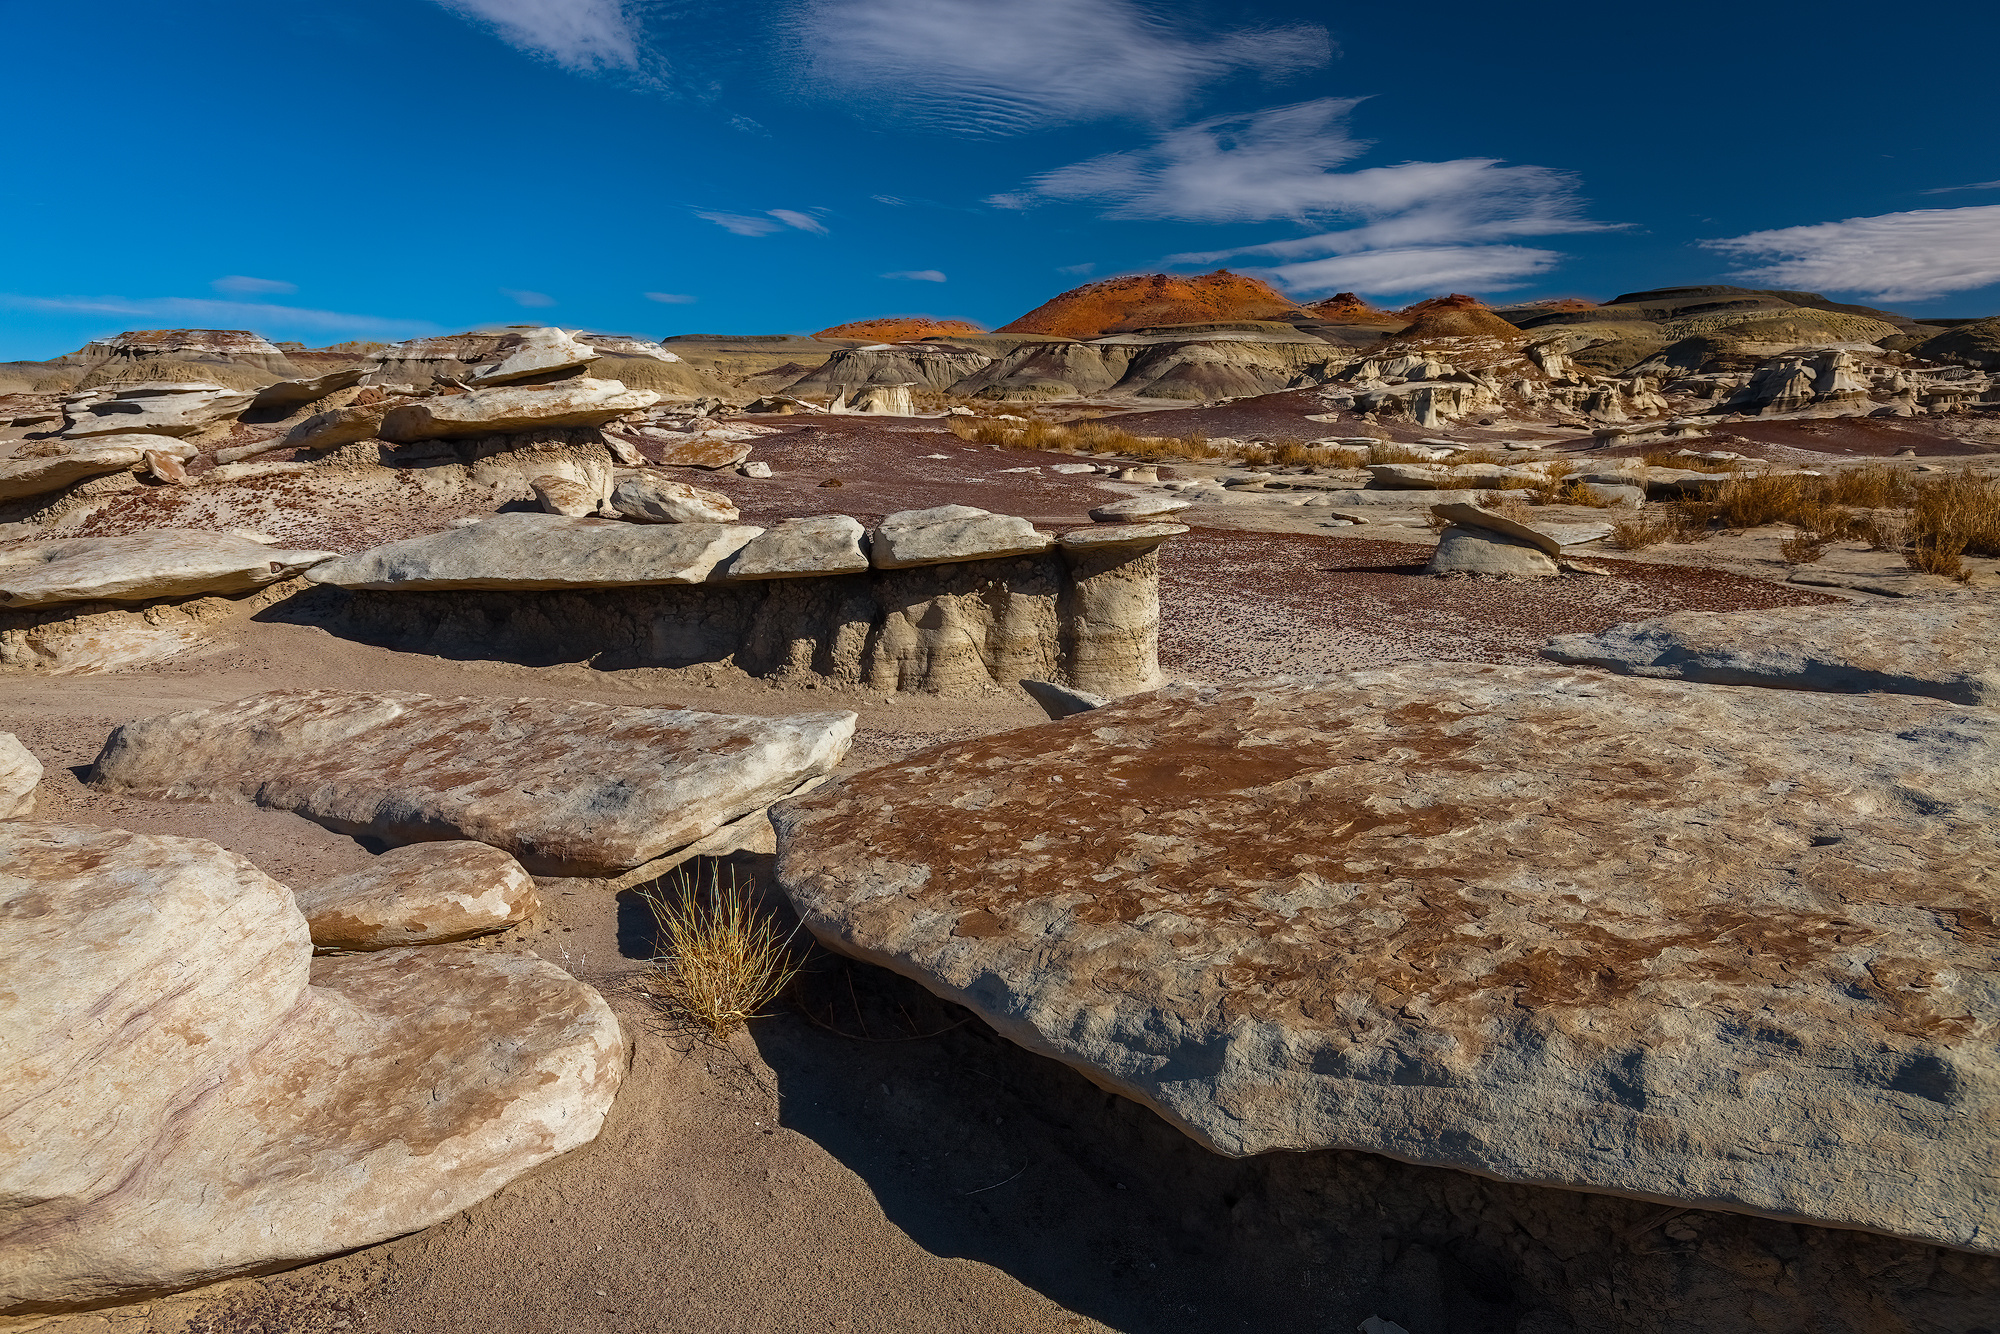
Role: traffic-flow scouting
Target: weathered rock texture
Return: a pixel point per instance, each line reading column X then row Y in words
column 189, row 1096
column 1087, row 615
column 81, row 638
column 1943, row 647
column 420, row 894
column 1715, row 946
column 579, row 402
column 1482, row 550
column 568, row 787
column 541, row 551
column 143, row 566
column 19, row 772
column 951, row 533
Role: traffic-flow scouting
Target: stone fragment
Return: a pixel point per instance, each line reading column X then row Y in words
column 951, row 533
column 189, row 1096
column 1463, row 550
column 1940, row 647
column 142, row 566
column 536, row 352
column 337, row 427
column 557, row 494
column 1711, row 946
column 756, row 470
column 568, row 787
column 649, row 498
column 531, row 551
column 685, row 449
column 497, row 411
column 19, row 772
column 163, row 467
column 1613, row 495
column 20, row 478
column 823, row 544
column 296, row 393
column 1121, row 535
column 1139, row 509
column 420, row 894
column 1478, row 516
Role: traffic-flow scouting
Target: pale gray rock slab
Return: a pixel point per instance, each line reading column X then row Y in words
column 1410, row 499
column 190, row 1096
column 949, row 533
column 1119, row 535
column 1605, row 494
column 541, row 551
column 1547, row 537
column 536, row 352
column 296, row 393
column 158, row 410
column 1713, row 946
column 568, row 787
column 1139, row 509
column 1463, row 550
column 821, row 545
column 1061, row 701
column 138, row 567
column 20, row 771
column 650, row 498
column 20, row 478
column 1437, row 477
column 496, row 411
column 420, row 894
column 336, row 427
column 557, row 494
column 1944, row 648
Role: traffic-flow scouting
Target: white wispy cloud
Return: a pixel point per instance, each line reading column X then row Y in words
column 1077, row 270
column 1954, row 189
column 891, row 200
column 671, row 298
column 580, row 35
column 1912, row 256
column 772, row 220
column 238, row 285
column 205, row 313
column 1423, row 222
column 918, row 275
column 1006, row 66
column 533, row 300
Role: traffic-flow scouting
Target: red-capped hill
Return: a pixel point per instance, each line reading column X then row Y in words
column 1347, row 308
column 900, row 329
column 1456, row 301
column 1149, row 300
column 1454, row 317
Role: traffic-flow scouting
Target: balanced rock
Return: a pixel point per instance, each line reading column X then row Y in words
column 1139, row 509
column 1549, row 538
column 536, row 352
column 822, row 544
column 1463, row 550
column 1940, row 647
column 951, row 533
column 652, row 499
column 189, row 1095
column 1714, row 946
column 579, row 402
column 420, row 894
column 142, row 566
column 19, row 772
column 567, row 786
column 296, row 393
column 540, row 551
column 155, row 409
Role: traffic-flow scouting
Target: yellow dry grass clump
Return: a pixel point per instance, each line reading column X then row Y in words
column 717, row 961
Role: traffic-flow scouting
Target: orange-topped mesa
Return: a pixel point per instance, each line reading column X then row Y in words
column 900, row 329
column 1152, row 300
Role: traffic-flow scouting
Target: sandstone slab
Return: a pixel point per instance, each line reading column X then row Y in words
column 19, row 772
column 1463, row 550
column 536, row 352
column 420, row 894
column 296, row 393
column 189, row 1096
column 20, row 478
column 1713, row 946
column 141, row 566
column 649, row 498
column 542, row 551
column 1550, row 538
column 1941, row 647
column 685, row 449
column 1120, row 535
column 950, row 533
column 821, row 545
column 155, row 409
column 557, row 494
column 498, row 411
column 567, row 787
column 1435, row 477
column 1139, row 509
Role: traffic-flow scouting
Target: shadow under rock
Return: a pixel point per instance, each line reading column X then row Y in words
column 979, row 1149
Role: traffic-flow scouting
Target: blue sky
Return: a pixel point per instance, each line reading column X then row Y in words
column 325, row 171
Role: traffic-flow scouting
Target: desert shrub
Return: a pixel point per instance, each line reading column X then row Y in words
column 1641, row 531
column 1388, row 451
column 1803, row 547
column 717, row 960
column 1961, row 507
column 1080, row 436
column 1664, row 458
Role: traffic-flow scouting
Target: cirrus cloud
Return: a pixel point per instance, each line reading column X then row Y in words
column 206, row 313
column 238, row 285
column 993, row 67
column 771, row 220
column 583, row 36
column 918, row 275
column 1913, row 256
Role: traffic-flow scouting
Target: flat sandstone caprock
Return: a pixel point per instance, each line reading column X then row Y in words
column 567, row 786
column 1941, row 647
column 530, row 551
column 1709, row 945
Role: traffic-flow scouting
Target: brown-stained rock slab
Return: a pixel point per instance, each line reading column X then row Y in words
column 569, row 787
column 420, row 894
column 1715, row 946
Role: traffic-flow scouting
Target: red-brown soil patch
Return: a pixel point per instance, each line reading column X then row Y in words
column 1149, row 300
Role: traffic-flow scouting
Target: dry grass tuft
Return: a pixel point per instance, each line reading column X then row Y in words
column 1641, row 531
column 1665, row 458
column 717, row 960
column 1081, row 437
